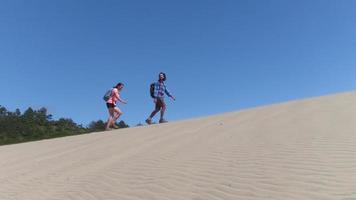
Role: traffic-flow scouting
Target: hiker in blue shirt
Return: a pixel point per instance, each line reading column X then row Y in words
column 158, row 90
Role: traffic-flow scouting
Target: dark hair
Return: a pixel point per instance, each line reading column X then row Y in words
column 118, row 85
column 164, row 75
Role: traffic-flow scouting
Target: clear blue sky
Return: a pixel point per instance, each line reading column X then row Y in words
column 219, row 56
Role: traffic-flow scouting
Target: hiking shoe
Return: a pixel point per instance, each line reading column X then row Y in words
column 149, row 121
column 108, row 129
column 162, row 121
column 116, row 127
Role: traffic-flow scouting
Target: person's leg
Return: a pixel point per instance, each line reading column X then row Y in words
column 117, row 114
column 110, row 119
column 155, row 111
column 163, row 110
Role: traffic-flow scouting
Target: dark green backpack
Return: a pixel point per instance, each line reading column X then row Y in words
column 107, row 95
column 152, row 90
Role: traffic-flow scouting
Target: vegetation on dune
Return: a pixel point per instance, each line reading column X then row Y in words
column 16, row 127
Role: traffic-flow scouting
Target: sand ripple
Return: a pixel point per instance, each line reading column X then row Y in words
column 297, row 150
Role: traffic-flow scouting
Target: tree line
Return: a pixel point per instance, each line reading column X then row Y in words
column 31, row 125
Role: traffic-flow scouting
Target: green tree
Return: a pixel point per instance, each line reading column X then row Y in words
column 38, row 124
column 122, row 124
column 97, row 126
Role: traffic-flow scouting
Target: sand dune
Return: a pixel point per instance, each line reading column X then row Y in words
column 297, row 150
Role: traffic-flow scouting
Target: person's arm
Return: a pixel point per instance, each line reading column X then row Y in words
column 169, row 94
column 117, row 96
column 121, row 100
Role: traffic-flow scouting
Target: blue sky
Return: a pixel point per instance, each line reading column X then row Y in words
column 219, row 56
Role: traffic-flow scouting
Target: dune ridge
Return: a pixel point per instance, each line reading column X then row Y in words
column 302, row 149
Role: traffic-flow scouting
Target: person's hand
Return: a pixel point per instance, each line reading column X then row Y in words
column 124, row 102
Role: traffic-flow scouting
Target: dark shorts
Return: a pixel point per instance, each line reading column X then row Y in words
column 160, row 103
column 110, row 105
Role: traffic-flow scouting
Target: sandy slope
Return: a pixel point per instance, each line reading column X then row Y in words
column 297, row 150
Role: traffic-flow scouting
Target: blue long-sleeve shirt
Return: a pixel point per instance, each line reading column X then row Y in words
column 160, row 90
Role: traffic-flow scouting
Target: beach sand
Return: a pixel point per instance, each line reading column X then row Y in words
column 302, row 149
